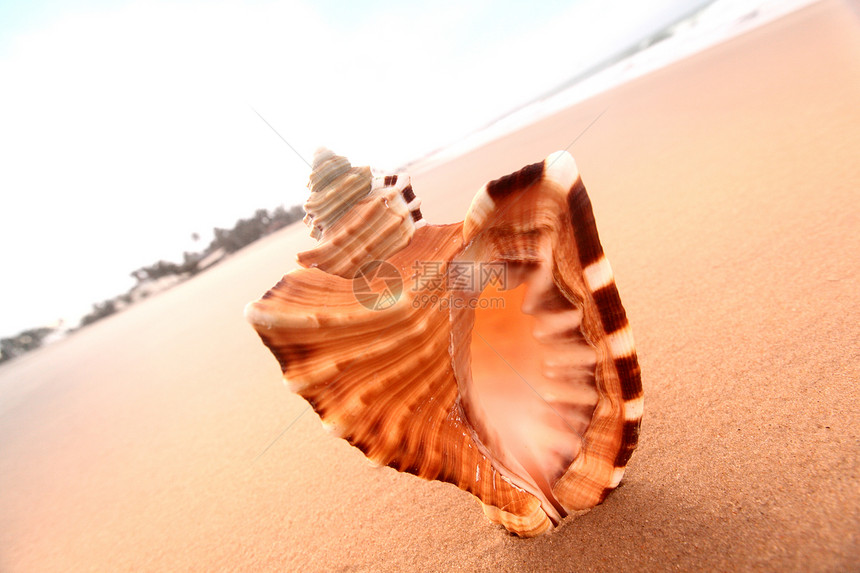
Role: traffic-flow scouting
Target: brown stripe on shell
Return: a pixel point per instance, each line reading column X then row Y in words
column 612, row 314
column 408, row 195
column 523, row 178
column 629, row 439
column 628, row 371
column 584, row 227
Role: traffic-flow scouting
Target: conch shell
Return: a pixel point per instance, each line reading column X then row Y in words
column 493, row 354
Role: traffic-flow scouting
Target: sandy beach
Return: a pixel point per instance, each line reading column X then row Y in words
column 725, row 188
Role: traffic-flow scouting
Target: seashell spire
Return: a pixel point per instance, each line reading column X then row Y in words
column 358, row 218
column 335, row 187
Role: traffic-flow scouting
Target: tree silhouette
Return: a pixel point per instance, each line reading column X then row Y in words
column 100, row 311
column 243, row 233
column 23, row 342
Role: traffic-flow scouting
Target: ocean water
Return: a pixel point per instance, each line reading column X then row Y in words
column 718, row 22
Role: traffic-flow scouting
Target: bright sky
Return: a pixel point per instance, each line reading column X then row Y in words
column 127, row 125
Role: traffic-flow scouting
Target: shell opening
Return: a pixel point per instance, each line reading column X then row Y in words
column 525, row 370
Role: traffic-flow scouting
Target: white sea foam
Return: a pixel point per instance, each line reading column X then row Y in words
column 716, row 23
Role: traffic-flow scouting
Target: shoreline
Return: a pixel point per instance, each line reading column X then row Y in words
column 609, row 75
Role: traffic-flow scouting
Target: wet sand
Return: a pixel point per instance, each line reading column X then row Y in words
column 725, row 189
